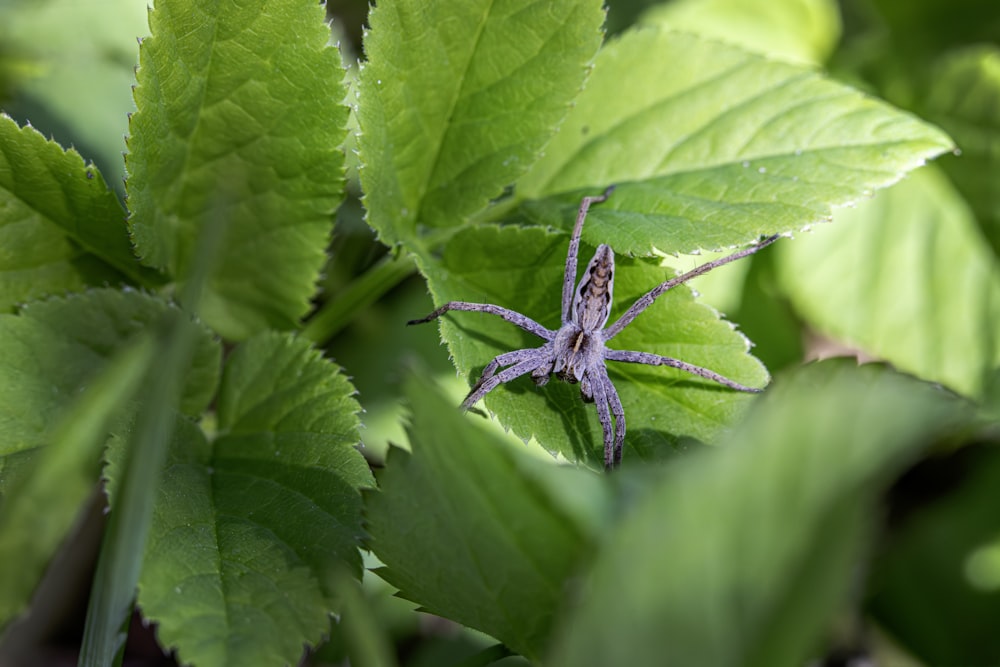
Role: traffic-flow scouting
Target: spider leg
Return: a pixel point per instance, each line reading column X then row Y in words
column 569, row 277
column 512, row 316
column 617, row 410
column 608, row 404
column 657, row 360
column 647, row 299
column 525, row 361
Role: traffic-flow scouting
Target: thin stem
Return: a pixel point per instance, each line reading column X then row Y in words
column 361, row 293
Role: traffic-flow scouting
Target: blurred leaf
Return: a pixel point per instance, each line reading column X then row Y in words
column 906, row 277
column 943, row 558
column 921, row 28
column 249, row 531
column 457, row 100
column 522, row 269
column 61, row 229
column 76, row 66
column 794, row 30
column 473, row 529
column 741, row 555
column 964, row 98
column 38, row 509
column 54, row 348
column 767, row 318
column 112, row 594
column 712, row 146
column 239, row 116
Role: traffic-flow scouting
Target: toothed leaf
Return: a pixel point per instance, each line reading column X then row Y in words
column 457, row 99
column 251, row 531
column 712, row 146
column 61, row 229
column 522, row 269
column 239, row 122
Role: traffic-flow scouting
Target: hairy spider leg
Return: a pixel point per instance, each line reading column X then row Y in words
column 485, row 386
column 608, row 405
column 512, row 316
column 569, row 278
column 647, row 299
column 650, row 359
column 506, row 359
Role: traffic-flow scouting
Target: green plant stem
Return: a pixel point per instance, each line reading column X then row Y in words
column 366, row 290
column 124, row 542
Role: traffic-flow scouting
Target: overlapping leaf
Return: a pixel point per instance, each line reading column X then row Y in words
column 250, row 530
column 38, row 509
column 61, row 229
column 741, row 556
column 522, row 269
column 239, row 119
column 713, row 146
column 795, row 30
column 949, row 546
column 905, row 277
column 457, row 100
column 72, row 64
column 473, row 529
column 965, row 99
column 51, row 349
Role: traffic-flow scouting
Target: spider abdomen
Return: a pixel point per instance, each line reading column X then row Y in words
column 592, row 304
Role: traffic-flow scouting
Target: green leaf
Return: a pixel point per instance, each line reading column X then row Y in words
column 945, row 555
column 61, row 229
column 794, row 30
column 905, row 277
column 112, row 596
column 74, row 63
column 250, row 530
column 964, row 99
column 239, row 118
column 741, row 555
column 38, row 509
column 712, row 146
column 475, row 529
column 55, row 347
column 522, row 269
column 457, row 100
column 919, row 28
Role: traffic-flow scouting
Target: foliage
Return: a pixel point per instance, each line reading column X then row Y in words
column 162, row 346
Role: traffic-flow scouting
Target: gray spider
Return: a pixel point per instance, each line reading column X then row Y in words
column 576, row 352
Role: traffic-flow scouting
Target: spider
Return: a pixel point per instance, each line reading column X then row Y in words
column 576, row 352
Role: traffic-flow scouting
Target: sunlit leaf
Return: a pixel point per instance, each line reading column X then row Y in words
column 795, row 30
column 457, row 99
column 712, row 146
column 906, row 277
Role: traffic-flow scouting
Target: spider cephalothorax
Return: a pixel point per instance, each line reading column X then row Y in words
column 576, row 352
